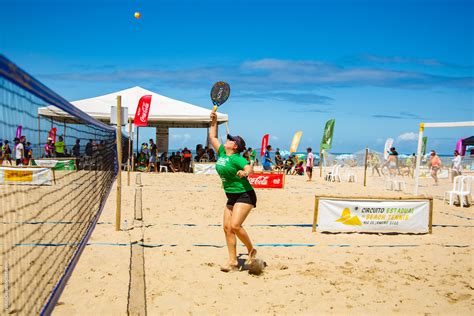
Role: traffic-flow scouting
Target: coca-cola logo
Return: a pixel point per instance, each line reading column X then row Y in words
column 144, row 112
column 260, row 180
column 276, row 181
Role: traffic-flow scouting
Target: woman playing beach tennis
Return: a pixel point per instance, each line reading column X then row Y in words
column 241, row 198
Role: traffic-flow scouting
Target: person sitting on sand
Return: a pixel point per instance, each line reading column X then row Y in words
column 241, row 198
column 278, row 161
column 289, row 163
column 299, row 168
column 142, row 160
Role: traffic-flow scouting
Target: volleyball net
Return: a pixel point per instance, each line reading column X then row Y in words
column 57, row 166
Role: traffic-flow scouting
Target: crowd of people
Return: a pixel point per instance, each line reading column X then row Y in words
column 149, row 158
column 407, row 167
column 18, row 154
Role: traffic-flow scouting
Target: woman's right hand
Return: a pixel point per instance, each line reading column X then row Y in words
column 213, row 116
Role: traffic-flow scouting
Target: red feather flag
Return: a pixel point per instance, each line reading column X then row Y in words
column 143, row 109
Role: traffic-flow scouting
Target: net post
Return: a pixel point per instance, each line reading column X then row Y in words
column 119, row 163
column 129, row 149
column 365, row 165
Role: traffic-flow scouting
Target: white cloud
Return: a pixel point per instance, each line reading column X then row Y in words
column 407, row 137
column 275, row 138
column 182, row 137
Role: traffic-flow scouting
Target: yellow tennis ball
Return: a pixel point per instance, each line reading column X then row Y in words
column 137, row 15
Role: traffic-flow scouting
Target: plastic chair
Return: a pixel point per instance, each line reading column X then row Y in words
column 351, row 176
column 334, row 175
column 456, row 189
column 395, row 184
column 165, row 168
column 466, row 190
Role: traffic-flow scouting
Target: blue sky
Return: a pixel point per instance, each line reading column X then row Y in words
column 377, row 67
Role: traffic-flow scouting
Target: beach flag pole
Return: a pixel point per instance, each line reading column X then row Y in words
column 365, row 166
column 119, row 164
column 320, row 163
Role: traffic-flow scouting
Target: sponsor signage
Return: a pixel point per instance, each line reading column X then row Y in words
column 267, row 180
column 389, row 215
column 32, row 176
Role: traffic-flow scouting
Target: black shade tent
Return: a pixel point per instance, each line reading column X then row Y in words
column 468, row 141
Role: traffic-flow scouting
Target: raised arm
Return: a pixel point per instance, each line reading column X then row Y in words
column 213, row 132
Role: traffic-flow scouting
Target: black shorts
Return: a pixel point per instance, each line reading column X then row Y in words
column 248, row 197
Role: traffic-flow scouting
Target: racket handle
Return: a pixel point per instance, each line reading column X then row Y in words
column 214, row 109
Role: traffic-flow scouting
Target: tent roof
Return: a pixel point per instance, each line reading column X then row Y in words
column 164, row 111
column 468, row 141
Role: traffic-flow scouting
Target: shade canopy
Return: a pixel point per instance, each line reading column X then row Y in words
column 468, row 141
column 164, row 111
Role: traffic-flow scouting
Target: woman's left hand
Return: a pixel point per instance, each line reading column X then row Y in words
column 242, row 174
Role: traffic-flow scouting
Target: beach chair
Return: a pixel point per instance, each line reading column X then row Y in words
column 395, row 183
column 462, row 188
column 334, row 174
column 456, row 188
column 351, row 176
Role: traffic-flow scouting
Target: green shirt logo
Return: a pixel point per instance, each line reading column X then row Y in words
column 227, row 167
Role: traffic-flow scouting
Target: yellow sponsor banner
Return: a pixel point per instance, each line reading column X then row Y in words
column 296, row 141
column 26, row 176
column 18, row 176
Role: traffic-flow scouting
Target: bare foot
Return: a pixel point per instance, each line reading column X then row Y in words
column 252, row 255
column 229, row 267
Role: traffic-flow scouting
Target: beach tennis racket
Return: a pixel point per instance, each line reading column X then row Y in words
column 219, row 94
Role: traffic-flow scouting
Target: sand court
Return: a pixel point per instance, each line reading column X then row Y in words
column 184, row 245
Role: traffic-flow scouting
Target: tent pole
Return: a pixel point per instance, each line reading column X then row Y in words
column 320, row 163
column 418, row 158
column 138, row 133
column 227, row 127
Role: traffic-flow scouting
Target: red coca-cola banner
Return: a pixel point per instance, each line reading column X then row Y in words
column 267, row 180
column 141, row 115
column 264, row 144
column 52, row 134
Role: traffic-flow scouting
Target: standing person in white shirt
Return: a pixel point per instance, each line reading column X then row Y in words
column 309, row 163
column 19, row 152
column 457, row 165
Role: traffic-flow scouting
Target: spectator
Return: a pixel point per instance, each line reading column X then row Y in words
column 253, row 154
column 299, row 169
column 187, row 155
column 76, row 152
column 309, row 163
column 289, row 163
column 435, row 164
column 6, row 153
column 60, row 147
column 152, row 159
column 267, row 160
column 89, row 149
column 28, row 153
column 49, row 148
column 457, row 165
column 19, row 152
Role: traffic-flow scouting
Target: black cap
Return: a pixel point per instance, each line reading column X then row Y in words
column 239, row 141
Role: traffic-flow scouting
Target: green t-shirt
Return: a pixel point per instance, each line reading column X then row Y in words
column 253, row 154
column 59, row 147
column 227, row 167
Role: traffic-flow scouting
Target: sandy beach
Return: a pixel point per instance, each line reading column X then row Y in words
column 320, row 273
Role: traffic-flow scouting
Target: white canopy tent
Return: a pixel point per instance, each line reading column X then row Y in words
column 164, row 112
column 420, row 141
